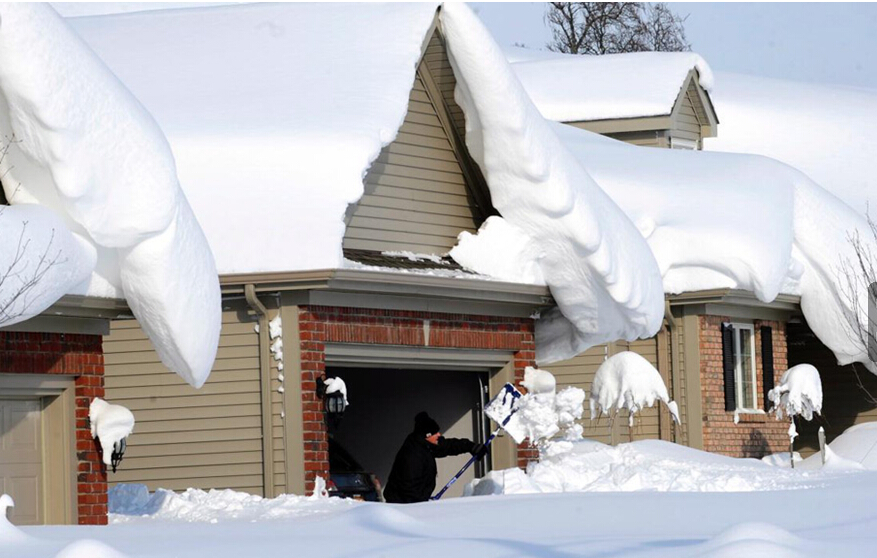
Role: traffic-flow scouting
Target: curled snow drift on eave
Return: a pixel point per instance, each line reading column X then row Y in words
column 85, row 147
column 570, row 87
column 597, row 265
column 720, row 220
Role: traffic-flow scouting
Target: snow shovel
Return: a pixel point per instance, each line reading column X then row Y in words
column 500, row 410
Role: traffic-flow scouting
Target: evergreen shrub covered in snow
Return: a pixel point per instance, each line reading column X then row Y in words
column 799, row 393
column 628, row 381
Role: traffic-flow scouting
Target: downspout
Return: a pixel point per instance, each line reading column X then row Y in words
column 675, row 373
column 265, row 383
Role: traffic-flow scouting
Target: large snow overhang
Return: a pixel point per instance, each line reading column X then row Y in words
column 91, row 172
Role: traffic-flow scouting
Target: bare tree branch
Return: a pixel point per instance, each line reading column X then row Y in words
column 614, row 27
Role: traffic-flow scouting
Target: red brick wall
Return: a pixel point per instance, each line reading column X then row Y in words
column 82, row 356
column 319, row 325
column 756, row 435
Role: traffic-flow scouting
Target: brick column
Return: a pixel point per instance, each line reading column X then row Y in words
column 81, row 356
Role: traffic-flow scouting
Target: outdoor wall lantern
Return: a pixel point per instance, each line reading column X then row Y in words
column 118, row 451
column 333, row 401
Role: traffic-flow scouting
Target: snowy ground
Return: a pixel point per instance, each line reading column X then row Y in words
column 750, row 509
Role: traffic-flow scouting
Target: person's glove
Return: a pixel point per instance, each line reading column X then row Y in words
column 478, row 450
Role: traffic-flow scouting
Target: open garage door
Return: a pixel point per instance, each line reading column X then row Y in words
column 383, row 403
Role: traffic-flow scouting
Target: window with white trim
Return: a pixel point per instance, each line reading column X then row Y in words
column 744, row 366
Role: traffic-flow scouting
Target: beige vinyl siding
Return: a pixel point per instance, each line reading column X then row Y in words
column 207, row 438
column 647, row 138
column 579, row 371
column 415, row 193
column 687, row 123
column 436, row 59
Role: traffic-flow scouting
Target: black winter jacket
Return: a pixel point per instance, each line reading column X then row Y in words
column 412, row 478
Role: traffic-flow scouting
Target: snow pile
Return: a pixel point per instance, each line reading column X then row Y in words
column 110, row 424
column 88, row 548
column 754, row 540
column 858, row 444
column 628, row 381
column 798, row 393
column 40, row 262
column 301, row 119
column 541, row 412
column 501, row 248
column 133, row 503
column 84, row 147
column 648, row 465
column 571, row 87
column 600, row 271
column 747, row 222
column 816, row 128
column 9, row 533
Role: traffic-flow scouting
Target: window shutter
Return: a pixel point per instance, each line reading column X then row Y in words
column 767, row 362
column 728, row 362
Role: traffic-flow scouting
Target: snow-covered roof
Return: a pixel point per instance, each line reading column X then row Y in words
column 823, row 130
column 274, row 113
column 691, row 220
column 569, row 87
column 84, row 149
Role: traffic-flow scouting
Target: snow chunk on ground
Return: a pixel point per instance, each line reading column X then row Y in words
column 9, row 533
column 132, row 504
column 599, row 269
column 40, row 262
column 84, row 146
column 798, row 393
column 499, row 250
column 110, row 424
column 571, row 87
column 628, row 381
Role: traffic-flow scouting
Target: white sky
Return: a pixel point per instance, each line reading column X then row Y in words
column 819, row 42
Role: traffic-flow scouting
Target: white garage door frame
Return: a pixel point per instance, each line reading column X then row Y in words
column 56, row 395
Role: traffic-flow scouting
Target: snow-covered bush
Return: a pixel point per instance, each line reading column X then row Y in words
column 799, row 393
column 628, row 381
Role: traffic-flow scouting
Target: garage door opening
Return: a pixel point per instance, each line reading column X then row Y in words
column 383, row 403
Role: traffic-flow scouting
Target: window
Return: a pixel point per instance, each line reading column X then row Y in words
column 743, row 336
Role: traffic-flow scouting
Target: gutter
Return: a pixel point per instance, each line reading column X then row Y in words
column 265, row 383
column 675, row 373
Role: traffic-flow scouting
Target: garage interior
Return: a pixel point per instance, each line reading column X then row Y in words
column 383, row 403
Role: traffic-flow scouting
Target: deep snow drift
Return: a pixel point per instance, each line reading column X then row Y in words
column 83, row 146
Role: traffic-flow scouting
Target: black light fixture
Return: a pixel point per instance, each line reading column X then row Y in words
column 118, row 451
column 333, row 403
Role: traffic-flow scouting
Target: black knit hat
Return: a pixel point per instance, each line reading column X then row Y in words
column 425, row 425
